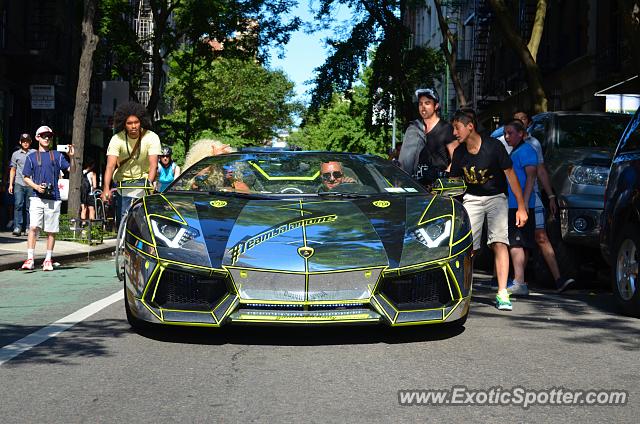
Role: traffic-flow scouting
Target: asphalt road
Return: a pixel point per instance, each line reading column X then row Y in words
column 101, row 371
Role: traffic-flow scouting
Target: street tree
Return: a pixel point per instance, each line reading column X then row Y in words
column 341, row 125
column 526, row 52
column 89, row 42
column 238, row 25
column 119, row 55
column 375, row 26
column 237, row 100
column 449, row 48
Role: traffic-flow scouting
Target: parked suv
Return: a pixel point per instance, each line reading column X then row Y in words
column 578, row 147
column 620, row 236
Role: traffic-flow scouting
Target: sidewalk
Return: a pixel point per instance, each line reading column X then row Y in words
column 13, row 250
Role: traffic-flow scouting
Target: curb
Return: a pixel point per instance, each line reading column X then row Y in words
column 97, row 251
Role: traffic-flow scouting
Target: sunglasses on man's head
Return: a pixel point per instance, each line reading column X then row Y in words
column 328, row 176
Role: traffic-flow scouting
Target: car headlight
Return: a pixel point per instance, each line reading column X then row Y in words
column 435, row 233
column 172, row 234
column 587, row 174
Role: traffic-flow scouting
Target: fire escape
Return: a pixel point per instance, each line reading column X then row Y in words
column 143, row 24
column 481, row 34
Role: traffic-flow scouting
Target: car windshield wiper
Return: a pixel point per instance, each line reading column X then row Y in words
column 340, row 194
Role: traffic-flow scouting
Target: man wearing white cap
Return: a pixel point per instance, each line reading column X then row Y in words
column 41, row 172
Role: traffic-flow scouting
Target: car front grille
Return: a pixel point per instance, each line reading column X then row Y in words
column 183, row 291
column 423, row 290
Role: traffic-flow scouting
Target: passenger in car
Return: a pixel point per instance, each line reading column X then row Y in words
column 220, row 178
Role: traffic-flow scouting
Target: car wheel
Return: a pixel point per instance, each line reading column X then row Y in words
column 459, row 323
column 119, row 258
column 625, row 285
column 567, row 256
column 135, row 323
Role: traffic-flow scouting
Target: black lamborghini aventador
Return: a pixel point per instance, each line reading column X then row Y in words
column 297, row 238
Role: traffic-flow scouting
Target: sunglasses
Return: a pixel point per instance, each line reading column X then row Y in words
column 329, row 176
column 48, row 136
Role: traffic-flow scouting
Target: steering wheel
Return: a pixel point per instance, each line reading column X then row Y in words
column 291, row 190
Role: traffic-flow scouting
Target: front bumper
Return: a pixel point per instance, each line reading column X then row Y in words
column 581, row 226
column 430, row 293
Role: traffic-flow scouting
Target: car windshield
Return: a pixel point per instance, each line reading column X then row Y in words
column 296, row 173
column 591, row 130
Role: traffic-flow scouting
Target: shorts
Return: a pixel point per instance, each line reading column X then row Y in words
column 44, row 214
column 539, row 213
column 496, row 210
column 521, row 236
column 86, row 198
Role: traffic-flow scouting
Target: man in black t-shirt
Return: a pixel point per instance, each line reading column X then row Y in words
column 428, row 142
column 486, row 168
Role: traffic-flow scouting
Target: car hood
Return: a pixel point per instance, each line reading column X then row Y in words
column 312, row 235
column 600, row 156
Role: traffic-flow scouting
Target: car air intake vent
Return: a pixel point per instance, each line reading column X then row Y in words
column 187, row 292
column 424, row 290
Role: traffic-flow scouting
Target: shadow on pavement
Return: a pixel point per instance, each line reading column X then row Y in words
column 586, row 316
column 85, row 340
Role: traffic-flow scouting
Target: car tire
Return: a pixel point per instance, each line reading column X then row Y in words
column 459, row 323
column 119, row 257
column 624, row 269
column 135, row 323
column 567, row 255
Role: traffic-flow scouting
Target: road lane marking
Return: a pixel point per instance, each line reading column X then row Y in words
column 26, row 343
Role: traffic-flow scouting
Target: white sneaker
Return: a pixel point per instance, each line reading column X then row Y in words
column 519, row 289
column 28, row 264
column 47, row 265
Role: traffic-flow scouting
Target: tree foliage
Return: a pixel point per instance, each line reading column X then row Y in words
column 245, row 27
column 397, row 70
column 237, row 101
column 119, row 53
column 340, row 125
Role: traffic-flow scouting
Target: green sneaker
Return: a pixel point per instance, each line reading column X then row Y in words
column 503, row 303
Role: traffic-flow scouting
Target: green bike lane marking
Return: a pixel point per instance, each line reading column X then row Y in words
column 33, row 299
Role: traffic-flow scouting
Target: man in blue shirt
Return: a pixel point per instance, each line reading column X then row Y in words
column 41, row 173
column 521, row 238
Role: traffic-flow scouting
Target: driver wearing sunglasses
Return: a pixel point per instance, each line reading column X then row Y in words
column 332, row 175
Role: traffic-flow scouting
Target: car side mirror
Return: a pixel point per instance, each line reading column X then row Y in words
column 449, row 186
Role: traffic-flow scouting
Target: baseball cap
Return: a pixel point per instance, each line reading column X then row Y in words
column 429, row 92
column 25, row 136
column 43, row 129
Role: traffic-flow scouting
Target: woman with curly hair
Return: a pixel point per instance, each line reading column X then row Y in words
column 133, row 150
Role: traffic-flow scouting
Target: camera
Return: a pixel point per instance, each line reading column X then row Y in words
column 48, row 191
column 63, row 148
